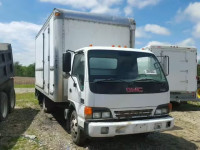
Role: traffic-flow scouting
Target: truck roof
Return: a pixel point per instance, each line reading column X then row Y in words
column 4, row 46
column 93, row 17
column 113, row 48
column 171, row 47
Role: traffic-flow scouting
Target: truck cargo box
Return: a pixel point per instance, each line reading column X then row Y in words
column 70, row 30
column 7, row 92
column 6, row 62
column 181, row 70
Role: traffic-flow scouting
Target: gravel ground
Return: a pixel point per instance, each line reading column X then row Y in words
column 47, row 131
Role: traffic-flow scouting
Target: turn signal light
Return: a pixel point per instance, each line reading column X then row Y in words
column 88, row 111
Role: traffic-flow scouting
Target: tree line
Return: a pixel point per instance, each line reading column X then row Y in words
column 24, row 71
column 29, row 71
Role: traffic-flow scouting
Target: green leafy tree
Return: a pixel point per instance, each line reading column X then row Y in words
column 24, row 71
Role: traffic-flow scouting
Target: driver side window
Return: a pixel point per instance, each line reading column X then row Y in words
column 79, row 69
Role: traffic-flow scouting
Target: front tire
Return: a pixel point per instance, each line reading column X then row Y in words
column 3, row 106
column 77, row 134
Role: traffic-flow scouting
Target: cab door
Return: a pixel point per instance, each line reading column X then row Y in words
column 76, row 82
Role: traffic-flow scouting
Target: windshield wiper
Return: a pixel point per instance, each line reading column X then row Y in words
column 109, row 80
column 146, row 80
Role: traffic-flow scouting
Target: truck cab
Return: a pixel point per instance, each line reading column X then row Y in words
column 115, row 91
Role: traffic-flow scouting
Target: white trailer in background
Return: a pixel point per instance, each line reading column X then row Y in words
column 105, row 91
column 180, row 66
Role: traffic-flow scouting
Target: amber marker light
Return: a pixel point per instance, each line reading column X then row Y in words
column 88, row 112
column 57, row 14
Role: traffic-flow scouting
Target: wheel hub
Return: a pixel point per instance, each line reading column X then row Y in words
column 74, row 127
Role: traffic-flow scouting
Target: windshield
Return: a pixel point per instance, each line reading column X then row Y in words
column 124, row 67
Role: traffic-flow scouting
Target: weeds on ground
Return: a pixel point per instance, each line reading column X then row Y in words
column 14, row 129
column 25, row 100
column 24, row 86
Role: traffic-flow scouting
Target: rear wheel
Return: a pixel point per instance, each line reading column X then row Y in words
column 77, row 134
column 47, row 105
column 12, row 100
column 3, row 106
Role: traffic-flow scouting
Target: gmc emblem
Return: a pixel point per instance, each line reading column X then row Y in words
column 134, row 90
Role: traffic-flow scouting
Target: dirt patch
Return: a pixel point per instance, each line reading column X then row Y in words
column 49, row 131
column 24, row 80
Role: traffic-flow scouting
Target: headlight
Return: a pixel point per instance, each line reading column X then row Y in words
column 97, row 115
column 106, row 115
column 163, row 109
column 158, row 112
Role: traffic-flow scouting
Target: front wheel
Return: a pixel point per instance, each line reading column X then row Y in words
column 77, row 134
column 3, row 106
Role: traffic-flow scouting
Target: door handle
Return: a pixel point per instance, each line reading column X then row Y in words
column 70, row 90
column 82, row 101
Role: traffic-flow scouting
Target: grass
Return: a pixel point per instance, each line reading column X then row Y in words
column 22, row 143
column 188, row 106
column 194, row 103
column 24, row 86
column 26, row 100
column 18, row 124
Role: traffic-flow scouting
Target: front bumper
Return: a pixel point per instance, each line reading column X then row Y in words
column 94, row 129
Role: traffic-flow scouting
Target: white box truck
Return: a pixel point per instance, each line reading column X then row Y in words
column 105, row 90
column 180, row 66
column 7, row 92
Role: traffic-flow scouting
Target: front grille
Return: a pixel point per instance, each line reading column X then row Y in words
column 133, row 113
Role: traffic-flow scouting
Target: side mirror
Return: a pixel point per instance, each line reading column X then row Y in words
column 166, row 65
column 67, row 62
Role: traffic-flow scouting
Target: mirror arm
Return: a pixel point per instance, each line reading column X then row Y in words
column 70, row 51
column 73, row 80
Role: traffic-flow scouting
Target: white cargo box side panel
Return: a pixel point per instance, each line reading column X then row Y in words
column 51, row 75
column 97, row 34
column 46, row 60
column 182, row 70
column 39, row 61
column 192, row 70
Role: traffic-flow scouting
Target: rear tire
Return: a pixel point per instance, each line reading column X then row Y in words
column 47, row 105
column 11, row 100
column 3, row 106
column 77, row 134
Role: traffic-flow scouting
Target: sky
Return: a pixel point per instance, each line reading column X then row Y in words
column 169, row 22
